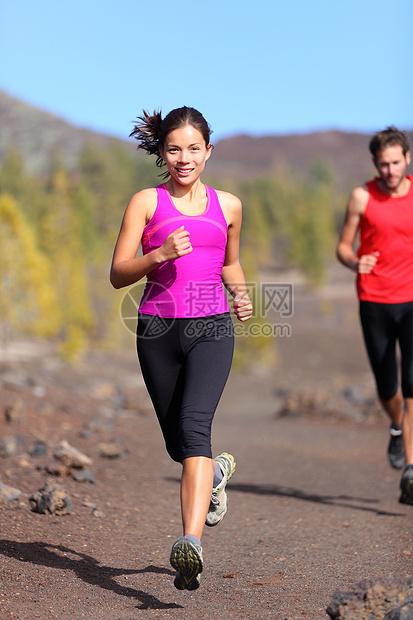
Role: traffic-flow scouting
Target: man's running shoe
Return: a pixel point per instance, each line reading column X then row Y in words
column 186, row 558
column 406, row 486
column 396, row 449
column 219, row 499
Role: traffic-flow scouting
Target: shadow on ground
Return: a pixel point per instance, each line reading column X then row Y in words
column 345, row 501
column 86, row 568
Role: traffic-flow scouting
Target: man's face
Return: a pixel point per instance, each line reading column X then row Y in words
column 392, row 166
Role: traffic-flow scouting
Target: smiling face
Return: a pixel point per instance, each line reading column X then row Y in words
column 392, row 166
column 185, row 154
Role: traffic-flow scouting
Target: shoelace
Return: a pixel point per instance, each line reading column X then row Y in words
column 214, row 500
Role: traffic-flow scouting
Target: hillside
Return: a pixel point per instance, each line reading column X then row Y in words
column 37, row 134
column 345, row 156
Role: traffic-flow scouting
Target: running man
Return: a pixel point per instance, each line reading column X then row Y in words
column 381, row 212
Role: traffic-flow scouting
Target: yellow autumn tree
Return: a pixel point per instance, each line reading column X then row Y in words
column 60, row 233
column 28, row 303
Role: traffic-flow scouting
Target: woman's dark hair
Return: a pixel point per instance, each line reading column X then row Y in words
column 151, row 130
column 390, row 136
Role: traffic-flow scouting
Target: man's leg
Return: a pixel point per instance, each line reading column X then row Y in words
column 380, row 331
column 406, row 348
column 394, row 408
column 406, row 482
column 408, row 431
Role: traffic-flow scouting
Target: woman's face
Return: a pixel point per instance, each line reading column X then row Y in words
column 185, row 154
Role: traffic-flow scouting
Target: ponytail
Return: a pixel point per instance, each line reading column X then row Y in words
column 146, row 132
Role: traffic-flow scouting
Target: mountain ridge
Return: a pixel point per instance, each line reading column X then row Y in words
column 38, row 135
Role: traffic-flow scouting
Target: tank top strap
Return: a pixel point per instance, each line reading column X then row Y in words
column 214, row 210
column 373, row 188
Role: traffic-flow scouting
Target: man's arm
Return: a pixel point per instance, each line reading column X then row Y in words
column 345, row 252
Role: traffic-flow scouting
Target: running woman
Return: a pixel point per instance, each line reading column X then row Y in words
column 381, row 211
column 189, row 235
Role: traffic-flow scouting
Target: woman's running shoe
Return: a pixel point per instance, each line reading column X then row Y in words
column 186, row 558
column 219, row 500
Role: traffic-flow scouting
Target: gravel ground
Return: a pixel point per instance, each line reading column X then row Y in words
column 313, row 503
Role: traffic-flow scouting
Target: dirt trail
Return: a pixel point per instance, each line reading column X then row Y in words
column 313, row 504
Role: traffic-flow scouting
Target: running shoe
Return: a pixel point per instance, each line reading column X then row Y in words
column 186, row 559
column 406, row 486
column 219, row 499
column 396, row 450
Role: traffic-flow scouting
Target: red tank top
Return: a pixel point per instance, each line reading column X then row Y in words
column 387, row 227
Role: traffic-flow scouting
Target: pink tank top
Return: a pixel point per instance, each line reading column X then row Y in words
column 190, row 286
column 387, row 227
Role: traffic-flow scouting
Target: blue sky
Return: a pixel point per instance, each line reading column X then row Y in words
column 263, row 67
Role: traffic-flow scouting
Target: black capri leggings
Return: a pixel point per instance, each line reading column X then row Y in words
column 383, row 325
column 185, row 364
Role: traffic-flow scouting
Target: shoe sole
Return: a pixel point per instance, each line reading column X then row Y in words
column 407, row 491
column 397, row 464
column 186, row 559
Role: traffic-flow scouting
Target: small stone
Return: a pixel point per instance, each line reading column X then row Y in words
column 51, row 499
column 26, row 463
column 353, row 394
column 71, row 457
column 10, row 445
column 112, row 449
column 39, row 391
column 400, row 613
column 14, row 413
column 97, row 424
column 44, row 409
column 96, row 512
column 39, row 449
column 88, row 504
column 371, row 598
column 85, row 475
column 7, row 494
column 56, row 468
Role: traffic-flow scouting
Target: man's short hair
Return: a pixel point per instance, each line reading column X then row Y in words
column 391, row 136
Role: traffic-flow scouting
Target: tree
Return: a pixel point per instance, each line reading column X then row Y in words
column 28, row 303
column 61, row 236
column 12, row 178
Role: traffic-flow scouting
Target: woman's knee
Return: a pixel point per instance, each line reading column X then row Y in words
column 173, row 449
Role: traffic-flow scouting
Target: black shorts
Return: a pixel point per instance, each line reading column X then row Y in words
column 185, row 364
column 383, row 326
